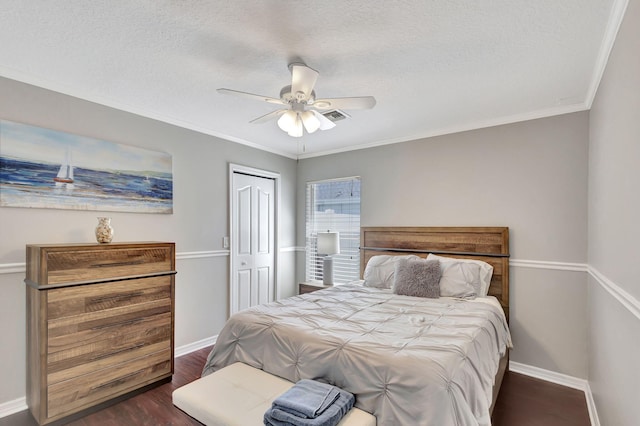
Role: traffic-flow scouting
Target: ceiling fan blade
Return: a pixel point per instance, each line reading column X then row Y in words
column 362, row 102
column 303, row 79
column 325, row 123
column 268, row 117
column 251, row 96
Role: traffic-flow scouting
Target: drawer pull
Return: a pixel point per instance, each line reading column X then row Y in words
column 110, row 265
column 119, row 380
column 130, row 348
column 118, row 324
column 116, row 297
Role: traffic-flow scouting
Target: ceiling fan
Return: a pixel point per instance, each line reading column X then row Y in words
column 302, row 107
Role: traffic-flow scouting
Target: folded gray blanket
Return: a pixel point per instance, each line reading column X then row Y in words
column 310, row 403
column 307, row 398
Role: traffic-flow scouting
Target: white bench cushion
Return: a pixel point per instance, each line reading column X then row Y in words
column 239, row 395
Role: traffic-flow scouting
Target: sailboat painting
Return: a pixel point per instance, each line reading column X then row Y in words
column 42, row 168
column 65, row 174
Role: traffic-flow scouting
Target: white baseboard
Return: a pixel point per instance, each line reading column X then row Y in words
column 548, row 376
column 11, row 407
column 560, row 379
column 591, row 405
column 195, row 346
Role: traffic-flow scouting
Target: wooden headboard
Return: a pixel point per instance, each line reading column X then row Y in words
column 489, row 244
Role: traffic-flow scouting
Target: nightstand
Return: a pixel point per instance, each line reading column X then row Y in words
column 311, row 286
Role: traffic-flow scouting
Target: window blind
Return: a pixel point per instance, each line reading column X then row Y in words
column 334, row 205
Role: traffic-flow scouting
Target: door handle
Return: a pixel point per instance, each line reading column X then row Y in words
column 243, row 263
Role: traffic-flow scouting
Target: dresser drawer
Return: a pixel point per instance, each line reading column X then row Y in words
column 75, row 394
column 87, row 303
column 85, row 265
column 91, row 262
column 74, row 354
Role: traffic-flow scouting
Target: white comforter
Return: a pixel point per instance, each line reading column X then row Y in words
column 408, row 360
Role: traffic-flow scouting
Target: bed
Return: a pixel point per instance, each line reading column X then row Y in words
column 408, row 360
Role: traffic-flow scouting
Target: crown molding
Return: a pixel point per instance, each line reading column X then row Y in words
column 611, row 32
column 464, row 127
column 44, row 83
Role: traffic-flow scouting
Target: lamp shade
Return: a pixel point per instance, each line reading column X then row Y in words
column 296, row 128
column 328, row 243
column 310, row 121
column 288, row 120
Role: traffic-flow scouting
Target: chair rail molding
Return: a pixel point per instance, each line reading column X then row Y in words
column 627, row 300
column 546, row 264
column 13, row 268
column 290, row 249
column 201, row 254
column 20, row 267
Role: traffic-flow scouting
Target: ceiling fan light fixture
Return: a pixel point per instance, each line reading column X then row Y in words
column 310, row 121
column 287, row 121
column 296, row 130
column 294, row 119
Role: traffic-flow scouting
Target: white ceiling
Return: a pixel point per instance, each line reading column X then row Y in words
column 434, row 66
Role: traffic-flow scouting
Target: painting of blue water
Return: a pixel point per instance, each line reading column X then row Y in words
column 42, row 168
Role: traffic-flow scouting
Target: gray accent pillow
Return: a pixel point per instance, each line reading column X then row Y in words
column 417, row 277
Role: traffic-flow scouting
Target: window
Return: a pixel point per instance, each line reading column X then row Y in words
column 334, row 205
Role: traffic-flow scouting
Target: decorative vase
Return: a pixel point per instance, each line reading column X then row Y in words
column 104, row 231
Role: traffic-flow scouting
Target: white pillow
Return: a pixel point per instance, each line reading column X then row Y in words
column 380, row 270
column 479, row 278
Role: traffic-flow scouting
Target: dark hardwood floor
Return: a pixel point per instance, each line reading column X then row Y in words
column 523, row 401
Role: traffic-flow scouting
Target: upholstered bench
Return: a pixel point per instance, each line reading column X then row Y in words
column 239, row 395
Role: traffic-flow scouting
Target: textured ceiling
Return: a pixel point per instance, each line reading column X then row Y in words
column 434, row 67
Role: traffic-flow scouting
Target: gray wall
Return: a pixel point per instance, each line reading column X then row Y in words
column 530, row 176
column 199, row 221
column 614, row 231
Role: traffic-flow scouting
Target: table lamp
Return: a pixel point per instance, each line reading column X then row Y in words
column 328, row 245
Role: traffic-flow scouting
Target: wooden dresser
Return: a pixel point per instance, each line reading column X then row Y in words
column 100, row 323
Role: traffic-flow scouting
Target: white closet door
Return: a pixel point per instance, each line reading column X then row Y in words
column 253, row 248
